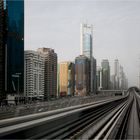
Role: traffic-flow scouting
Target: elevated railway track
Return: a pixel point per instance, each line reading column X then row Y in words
column 107, row 119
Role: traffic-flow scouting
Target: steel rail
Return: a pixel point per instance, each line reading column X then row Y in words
column 23, row 130
column 91, row 131
column 118, row 129
column 79, row 124
column 22, row 119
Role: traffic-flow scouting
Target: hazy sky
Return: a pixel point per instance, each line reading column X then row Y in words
column 56, row 24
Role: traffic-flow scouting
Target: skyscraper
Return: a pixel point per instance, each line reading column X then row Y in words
column 123, row 83
column 34, row 74
column 15, row 46
column 66, row 78
column 105, row 74
column 86, row 40
column 82, row 75
column 116, row 67
column 99, row 78
column 2, row 50
column 86, row 48
column 58, row 84
column 116, row 73
column 94, row 76
column 112, row 80
column 50, row 74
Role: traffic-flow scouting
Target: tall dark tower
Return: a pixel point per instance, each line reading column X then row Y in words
column 82, row 75
column 2, row 49
column 15, row 46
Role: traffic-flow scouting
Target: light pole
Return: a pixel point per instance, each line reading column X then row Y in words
column 17, row 75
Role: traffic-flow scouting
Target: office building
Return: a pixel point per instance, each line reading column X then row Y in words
column 99, row 78
column 34, row 74
column 58, row 85
column 94, row 76
column 66, row 79
column 2, row 50
column 105, row 74
column 82, row 73
column 87, row 47
column 123, row 82
column 15, row 46
column 112, row 80
column 50, row 72
column 121, row 78
column 116, row 74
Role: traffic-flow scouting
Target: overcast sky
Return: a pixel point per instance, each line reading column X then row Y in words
column 56, row 24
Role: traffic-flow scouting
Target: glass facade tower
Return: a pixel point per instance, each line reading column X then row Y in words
column 86, row 40
column 15, row 46
column 87, row 45
column 105, row 74
column 82, row 75
column 1, row 49
column 86, row 48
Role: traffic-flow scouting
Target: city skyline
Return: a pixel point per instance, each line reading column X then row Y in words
column 68, row 69
column 115, row 30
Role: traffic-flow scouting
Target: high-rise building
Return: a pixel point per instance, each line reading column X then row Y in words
column 34, row 74
column 105, row 74
column 58, row 84
column 82, row 75
column 116, row 67
column 50, row 72
column 99, row 78
column 112, row 80
column 94, row 76
column 86, row 40
column 86, row 48
column 116, row 74
column 15, row 46
column 123, row 83
column 121, row 78
column 66, row 78
column 2, row 50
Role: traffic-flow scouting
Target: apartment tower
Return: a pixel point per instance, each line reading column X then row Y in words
column 34, row 74
column 50, row 74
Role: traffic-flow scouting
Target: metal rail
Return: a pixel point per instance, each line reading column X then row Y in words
column 138, row 106
column 82, row 122
column 60, row 125
column 22, row 119
column 120, row 126
column 100, row 128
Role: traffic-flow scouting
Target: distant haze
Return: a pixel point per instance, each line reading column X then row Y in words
column 56, row 24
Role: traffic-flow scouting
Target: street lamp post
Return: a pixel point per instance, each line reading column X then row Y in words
column 17, row 75
column 18, row 89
